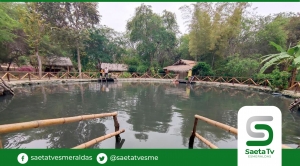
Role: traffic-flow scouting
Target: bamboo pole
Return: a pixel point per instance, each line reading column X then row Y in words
column 285, row 147
column 7, row 128
column 218, row 124
column 212, row 146
column 1, row 146
column 97, row 140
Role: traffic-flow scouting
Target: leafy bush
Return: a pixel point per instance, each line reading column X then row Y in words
column 161, row 71
column 142, row 69
column 132, row 61
column 278, row 79
column 132, row 69
column 238, row 67
column 125, row 75
column 202, row 69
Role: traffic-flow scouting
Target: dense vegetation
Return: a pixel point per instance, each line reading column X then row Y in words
column 229, row 39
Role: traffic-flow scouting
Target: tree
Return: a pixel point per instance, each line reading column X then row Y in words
column 153, row 35
column 11, row 51
column 293, row 28
column 103, row 45
column 290, row 59
column 72, row 21
column 7, row 23
column 12, row 37
column 214, row 29
column 272, row 29
column 183, row 49
column 36, row 29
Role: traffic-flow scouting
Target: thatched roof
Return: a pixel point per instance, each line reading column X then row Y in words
column 114, row 66
column 181, row 66
column 57, row 61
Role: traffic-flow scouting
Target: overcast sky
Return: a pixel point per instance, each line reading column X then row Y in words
column 116, row 14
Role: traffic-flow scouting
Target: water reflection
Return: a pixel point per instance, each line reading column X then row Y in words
column 153, row 115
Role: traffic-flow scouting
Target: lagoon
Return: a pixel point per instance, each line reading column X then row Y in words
column 154, row 115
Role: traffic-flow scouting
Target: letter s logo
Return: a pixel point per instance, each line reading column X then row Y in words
column 259, row 134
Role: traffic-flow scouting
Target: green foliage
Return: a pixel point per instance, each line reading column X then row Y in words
column 202, row 69
column 161, row 71
column 277, row 79
column 274, row 31
column 131, row 60
column 126, row 75
column 183, row 49
column 212, row 26
column 132, row 69
column 153, row 35
column 290, row 59
column 142, row 69
column 8, row 23
column 241, row 67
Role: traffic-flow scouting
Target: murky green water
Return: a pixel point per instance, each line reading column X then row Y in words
column 153, row 115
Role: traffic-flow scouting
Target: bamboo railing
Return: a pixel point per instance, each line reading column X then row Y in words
column 212, row 146
column 8, row 128
column 217, row 124
column 97, row 140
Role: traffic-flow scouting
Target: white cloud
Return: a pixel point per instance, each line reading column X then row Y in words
column 116, row 14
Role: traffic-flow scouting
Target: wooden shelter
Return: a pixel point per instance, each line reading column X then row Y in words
column 114, row 67
column 56, row 64
column 181, row 67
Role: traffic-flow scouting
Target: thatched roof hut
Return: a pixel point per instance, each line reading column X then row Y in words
column 181, row 66
column 114, row 67
column 57, row 63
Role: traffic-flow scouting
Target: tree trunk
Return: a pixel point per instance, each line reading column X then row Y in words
column 293, row 77
column 212, row 63
column 78, row 61
column 39, row 62
column 8, row 66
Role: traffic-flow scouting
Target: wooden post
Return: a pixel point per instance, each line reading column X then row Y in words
column 48, row 75
column 117, row 127
column 29, row 76
column 192, row 138
column 8, row 77
column 1, row 146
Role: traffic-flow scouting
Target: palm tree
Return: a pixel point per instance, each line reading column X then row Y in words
column 290, row 59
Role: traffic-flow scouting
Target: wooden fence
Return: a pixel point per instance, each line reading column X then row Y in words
column 15, row 76
column 225, row 127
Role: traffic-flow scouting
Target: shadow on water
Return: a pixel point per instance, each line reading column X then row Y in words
column 154, row 115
